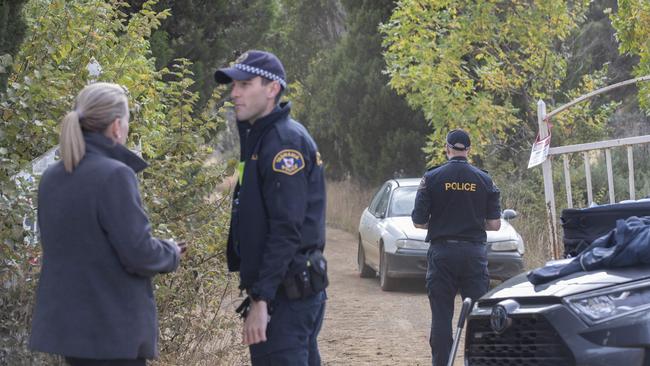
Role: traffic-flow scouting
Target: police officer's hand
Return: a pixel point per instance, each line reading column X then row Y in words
column 255, row 323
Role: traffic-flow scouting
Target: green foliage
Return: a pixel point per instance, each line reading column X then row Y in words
column 480, row 65
column 210, row 33
column 632, row 23
column 178, row 189
column 593, row 45
column 304, row 32
column 12, row 30
column 363, row 128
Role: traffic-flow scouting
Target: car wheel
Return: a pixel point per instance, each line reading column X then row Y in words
column 386, row 283
column 364, row 270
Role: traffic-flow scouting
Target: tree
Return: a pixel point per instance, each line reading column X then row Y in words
column 210, row 33
column 483, row 65
column 12, row 30
column 632, row 23
column 363, row 128
column 304, row 31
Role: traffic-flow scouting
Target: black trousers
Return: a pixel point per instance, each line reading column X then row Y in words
column 452, row 268
column 292, row 334
column 72, row 361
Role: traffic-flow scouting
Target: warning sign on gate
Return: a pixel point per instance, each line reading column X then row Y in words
column 539, row 152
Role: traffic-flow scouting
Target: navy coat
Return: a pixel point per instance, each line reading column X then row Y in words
column 95, row 297
column 279, row 204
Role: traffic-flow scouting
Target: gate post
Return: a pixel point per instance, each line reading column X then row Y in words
column 553, row 249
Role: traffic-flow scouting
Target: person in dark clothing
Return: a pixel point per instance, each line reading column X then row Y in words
column 456, row 202
column 277, row 230
column 94, row 302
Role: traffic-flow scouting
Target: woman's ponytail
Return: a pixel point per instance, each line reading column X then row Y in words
column 96, row 107
column 71, row 144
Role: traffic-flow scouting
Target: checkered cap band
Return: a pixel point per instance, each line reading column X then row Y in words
column 260, row 72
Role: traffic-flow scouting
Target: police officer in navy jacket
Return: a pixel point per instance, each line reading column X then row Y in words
column 278, row 213
column 456, row 203
column 94, row 302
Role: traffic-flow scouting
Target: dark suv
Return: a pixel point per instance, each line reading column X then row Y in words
column 587, row 318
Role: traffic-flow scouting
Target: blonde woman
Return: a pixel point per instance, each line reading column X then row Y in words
column 94, row 303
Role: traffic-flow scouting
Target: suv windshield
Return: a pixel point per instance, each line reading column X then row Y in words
column 403, row 201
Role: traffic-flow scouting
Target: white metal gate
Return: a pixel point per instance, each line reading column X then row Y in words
column 555, row 250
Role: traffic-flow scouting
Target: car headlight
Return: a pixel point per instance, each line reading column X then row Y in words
column 508, row 245
column 599, row 306
column 411, row 244
column 504, row 246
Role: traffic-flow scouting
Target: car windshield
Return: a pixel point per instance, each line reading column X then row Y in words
column 403, row 201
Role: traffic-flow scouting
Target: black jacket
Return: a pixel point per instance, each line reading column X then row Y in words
column 94, row 297
column 455, row 199
column 279, row 204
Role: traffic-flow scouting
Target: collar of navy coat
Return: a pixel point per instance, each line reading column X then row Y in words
column 249, row 134
column 458, row 159
column 99, row 144
column 454, row 159
column 280, row 111
column 462, row 159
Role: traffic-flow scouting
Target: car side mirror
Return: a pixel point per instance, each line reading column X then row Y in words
column 509, row 214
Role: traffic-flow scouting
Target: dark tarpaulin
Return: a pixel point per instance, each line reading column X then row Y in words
column 625, row 246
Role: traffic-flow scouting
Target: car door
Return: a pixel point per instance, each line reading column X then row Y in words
column 377, row 225
column 368, row 225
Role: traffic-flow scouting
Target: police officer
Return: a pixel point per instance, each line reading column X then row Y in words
column 278, row 217
column 456, row 203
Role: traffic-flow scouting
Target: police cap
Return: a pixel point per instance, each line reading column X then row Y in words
column 458, row 140
column 251, row 64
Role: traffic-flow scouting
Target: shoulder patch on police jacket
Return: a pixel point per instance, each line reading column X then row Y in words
column 423, row 183
column 288, row 162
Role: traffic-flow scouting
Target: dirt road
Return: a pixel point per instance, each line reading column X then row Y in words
column 367, row 326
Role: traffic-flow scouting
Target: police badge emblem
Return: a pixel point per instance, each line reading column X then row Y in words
column 288, row 162
column 241, row 58
column 423, row 183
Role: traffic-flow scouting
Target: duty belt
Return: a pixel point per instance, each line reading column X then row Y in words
column 455, row 242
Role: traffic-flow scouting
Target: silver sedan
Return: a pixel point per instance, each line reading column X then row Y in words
column 391, row 246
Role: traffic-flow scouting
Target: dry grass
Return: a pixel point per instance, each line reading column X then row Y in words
column 213, row 337
column 346, row 201
column 535, row 234
column 531, row 224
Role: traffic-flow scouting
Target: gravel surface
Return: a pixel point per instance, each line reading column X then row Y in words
column 367, row 326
